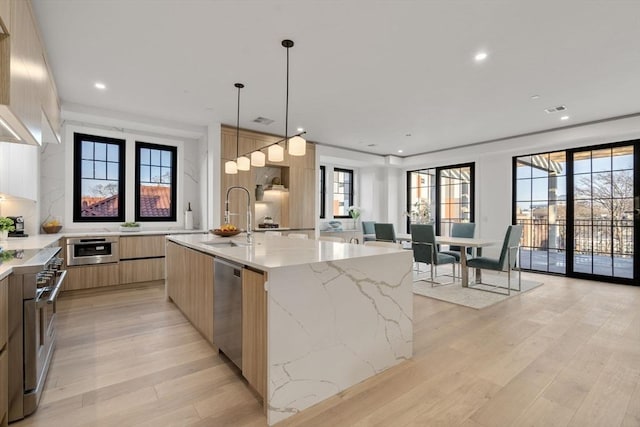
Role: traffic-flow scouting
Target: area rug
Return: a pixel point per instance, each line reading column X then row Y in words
column 473, row 298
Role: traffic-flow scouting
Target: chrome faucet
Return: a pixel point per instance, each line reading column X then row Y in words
column 226, row 210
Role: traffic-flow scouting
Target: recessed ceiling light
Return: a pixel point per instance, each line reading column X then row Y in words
column 399, row 151
column 481, row 56
column 535, row 96
column 300, row 129
column 564, row 118
column 100, row 86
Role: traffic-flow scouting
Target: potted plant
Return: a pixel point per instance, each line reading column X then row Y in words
column 6, row 225
column 130, row 226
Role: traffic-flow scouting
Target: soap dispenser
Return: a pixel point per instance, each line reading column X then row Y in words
column 188, row 218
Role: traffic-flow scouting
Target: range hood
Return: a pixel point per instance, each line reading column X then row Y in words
column 13, row 130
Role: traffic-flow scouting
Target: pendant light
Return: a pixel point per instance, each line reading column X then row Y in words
column 242, row 162
column 276, row 153
column 297, row 146
column 231, row 167
column 258, row 159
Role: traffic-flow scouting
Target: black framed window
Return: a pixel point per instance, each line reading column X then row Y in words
column 155, row 185
column 342, row 192
column 98, row 178
column 442, row 196
column 323, row 190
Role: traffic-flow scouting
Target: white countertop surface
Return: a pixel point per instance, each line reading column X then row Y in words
column 269, row 252
column 41, row 241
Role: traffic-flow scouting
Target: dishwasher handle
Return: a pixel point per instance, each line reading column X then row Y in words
column 237, row 268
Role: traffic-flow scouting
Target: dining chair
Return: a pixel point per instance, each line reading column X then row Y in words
column 368, row 231
column 507, row 261
column 425, row 250
column 331, row 239
column 297, row 236
column 460, row 229
column 384, row 232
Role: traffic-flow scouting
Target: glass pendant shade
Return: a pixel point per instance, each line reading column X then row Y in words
column 230, row 167
column 257, row 159
column 297, row 146
column 276, row 153
column 244, row 164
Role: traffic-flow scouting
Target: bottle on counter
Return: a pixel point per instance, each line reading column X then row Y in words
column 188, row 218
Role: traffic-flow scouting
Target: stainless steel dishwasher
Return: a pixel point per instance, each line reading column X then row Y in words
column 227, row 309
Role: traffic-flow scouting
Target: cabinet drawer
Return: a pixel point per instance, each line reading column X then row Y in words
column 142, row 270
column 4, row 312
column 141, row 246
column 4, row 387
column 91, row 276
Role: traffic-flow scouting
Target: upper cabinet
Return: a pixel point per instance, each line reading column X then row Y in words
column 29, row 108
column 292, row 208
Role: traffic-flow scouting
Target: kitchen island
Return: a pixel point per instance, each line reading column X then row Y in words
column 336, row 313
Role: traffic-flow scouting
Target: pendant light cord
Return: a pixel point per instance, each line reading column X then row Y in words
column 239, row 86
column 286, row 114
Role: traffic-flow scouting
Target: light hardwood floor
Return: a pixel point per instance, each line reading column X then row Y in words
column 564, row 354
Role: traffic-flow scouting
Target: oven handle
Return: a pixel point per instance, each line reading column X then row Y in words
column 56, row 290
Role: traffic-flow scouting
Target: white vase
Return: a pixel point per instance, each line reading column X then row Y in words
column 4, row 234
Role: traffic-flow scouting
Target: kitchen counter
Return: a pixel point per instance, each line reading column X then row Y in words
column 337, row 313
column 41, row 241
column 269, row 252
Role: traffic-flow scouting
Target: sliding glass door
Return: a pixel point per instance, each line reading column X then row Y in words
column 604, row 230
column 580, row 211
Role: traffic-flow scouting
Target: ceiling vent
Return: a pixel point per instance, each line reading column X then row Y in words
column 263, row 121
column 555, row 109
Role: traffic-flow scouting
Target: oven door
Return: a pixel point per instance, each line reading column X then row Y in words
column 95, row 250
column 39, row 341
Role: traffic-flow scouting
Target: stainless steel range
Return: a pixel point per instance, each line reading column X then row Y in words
column 33, row 290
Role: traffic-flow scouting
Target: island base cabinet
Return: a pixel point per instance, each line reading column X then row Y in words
column 4, row 358
column 190, row 286
column 254, row 331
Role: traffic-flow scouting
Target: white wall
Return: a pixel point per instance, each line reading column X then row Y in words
column 370, row 186
column 57, row 164
column 493, row 163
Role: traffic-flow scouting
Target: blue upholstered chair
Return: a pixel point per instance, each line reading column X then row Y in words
column 425, row 250
column 384, row 232
column 368, row 231
column 506, row 262
column 460, row 229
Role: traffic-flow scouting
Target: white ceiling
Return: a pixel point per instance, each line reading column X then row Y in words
column 362, row 72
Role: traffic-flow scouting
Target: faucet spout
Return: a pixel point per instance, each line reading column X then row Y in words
column 226, row 209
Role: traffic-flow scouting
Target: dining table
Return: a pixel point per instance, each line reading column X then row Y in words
column 463, row 243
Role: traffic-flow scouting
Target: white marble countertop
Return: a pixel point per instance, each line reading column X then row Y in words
column 269, row 252
column 41, row 241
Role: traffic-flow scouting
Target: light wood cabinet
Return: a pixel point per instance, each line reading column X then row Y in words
column 5, row 17
column 254, row 330
column 298, row 175
column 141, row 270
column 28, row 98
column 4, row 358
column 141, row 258
column 93, row 276
column 190, row 286
column 141, row 246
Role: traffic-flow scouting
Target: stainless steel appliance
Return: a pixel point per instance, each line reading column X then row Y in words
column 227, row 310
column 18, row 223
column 92, row 250
column 33, row 291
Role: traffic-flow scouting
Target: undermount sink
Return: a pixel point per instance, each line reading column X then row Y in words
column 226, row 244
